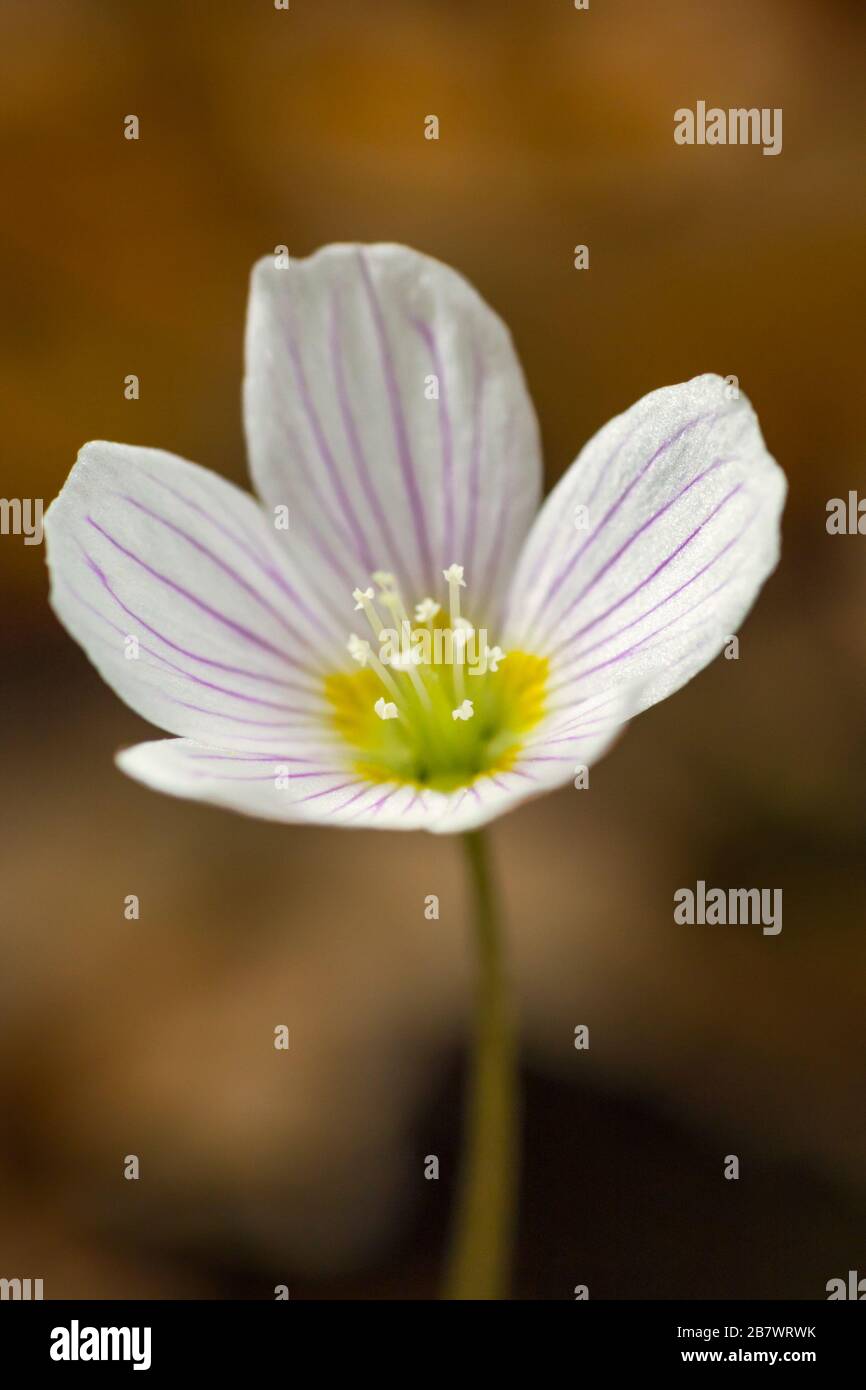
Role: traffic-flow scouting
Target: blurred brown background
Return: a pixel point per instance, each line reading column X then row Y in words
column 261, row 127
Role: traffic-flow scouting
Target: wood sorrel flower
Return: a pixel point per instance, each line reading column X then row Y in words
column 387, row 417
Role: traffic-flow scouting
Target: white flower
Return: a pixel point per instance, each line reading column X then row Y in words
column 242, row 627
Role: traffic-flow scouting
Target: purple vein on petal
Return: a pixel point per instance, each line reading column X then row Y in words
column 260, row 776
column 635, row 535
column 181, row 670
column 476, row 449
column 240, row 631
column 326, row 454
column 641, row 617
column 366, row 788
column 548, row 556
column 231, row 573
column 345, row 804
column 446, row 435
column 398, row 420
column 341, row 540
column 307, row 719
column 328, row 791
column 376, row 808
column 391, row 554
column 642, row 644
column 246, row 543
column 484, row 582
column 556, row 584
column 257, row 757
column 94, row 567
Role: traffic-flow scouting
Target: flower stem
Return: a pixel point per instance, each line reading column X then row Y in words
column 480, row 1258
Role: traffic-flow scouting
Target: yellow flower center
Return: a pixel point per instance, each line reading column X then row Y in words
column 434, row 705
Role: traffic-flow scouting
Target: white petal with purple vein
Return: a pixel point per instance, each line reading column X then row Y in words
column 344, row 428
column 301, row 785
column 170, row 579
column 683, row 504
column 288, row 782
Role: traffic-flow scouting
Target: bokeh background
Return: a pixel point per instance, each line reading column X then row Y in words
column 261, row 127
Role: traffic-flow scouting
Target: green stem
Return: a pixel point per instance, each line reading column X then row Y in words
column 480, row 1259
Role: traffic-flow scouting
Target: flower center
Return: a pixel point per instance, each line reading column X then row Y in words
column 434, row 704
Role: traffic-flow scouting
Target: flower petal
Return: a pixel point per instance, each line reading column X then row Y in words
column 228, row 642
column 683, row 505
column 562, row 746
column 289, row 782
column 341, row 351
column 299, row 782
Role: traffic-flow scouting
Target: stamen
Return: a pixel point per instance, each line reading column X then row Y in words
column 460, row 636
column 364, row 600
column 405, row 659
column 358, row 650
column 456, row 582
column 408, row 659
column 394, row 603
column 433, row 649
column 426, row 610
column 362, row 652
column 385, row 709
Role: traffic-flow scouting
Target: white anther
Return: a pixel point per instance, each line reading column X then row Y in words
column 364, row 600
column 358, row 649
column 426, row 610
column 464, row 711
column 385, row 708
column 493, row 656
column 456, row 582
column 384, row 580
